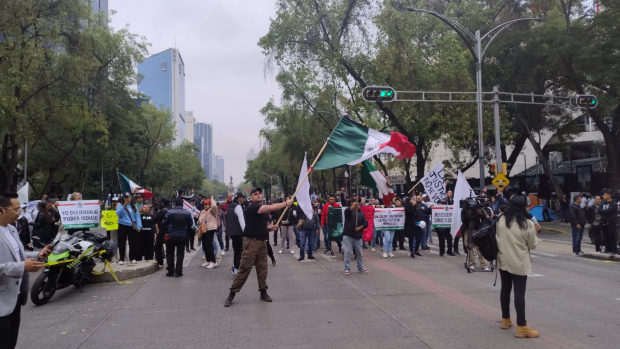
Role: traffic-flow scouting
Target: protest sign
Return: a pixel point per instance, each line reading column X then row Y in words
column 369, row 213
column 442, row 216
column 335, row 223
column 79, row 214
column 433, row 183
column 391, row 218
column 109, row 220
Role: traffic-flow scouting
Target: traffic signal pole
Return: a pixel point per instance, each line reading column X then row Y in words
column 498, row 148
column 479, row 103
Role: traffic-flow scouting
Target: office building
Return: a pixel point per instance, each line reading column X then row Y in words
column 163, row 81
column 203, row 139
column 189, row 126
column 251, row 155
column 100, row 6
column 218, row 172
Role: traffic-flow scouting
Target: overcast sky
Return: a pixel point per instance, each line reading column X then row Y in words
column 224, row 82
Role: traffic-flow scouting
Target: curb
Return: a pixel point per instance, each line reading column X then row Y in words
column 602, row 256
column 124, row 274
column 554, row 230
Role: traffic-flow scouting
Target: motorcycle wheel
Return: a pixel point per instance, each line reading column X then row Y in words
column 39, row 295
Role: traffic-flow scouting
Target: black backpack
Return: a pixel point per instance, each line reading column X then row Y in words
column 485, row 239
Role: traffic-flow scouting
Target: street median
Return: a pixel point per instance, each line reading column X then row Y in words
column 602, row 256
column 124, row 272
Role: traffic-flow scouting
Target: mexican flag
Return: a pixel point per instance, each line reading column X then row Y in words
column 351, row 143
column 128, row 186
column 372, row 178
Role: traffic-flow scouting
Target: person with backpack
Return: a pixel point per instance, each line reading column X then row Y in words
column 516, row 236
column 208, row 223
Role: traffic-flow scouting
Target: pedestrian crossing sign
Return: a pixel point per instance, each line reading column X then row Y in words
column 500, row 182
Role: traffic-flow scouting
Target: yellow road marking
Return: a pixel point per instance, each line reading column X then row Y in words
column 597, row 260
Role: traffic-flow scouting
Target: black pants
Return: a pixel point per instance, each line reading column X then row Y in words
column 609, row 233
column 399, row 240
column 9, row 327
column 207, row 245
column 417, row 237
column 456, row 243
column 191, row 235
column 145, row 245
column 596, row 235
column 159, row 248
column 178, row 243
column 124, row 231
column 444, row 235
column 275, row 237
column 227, row 242
column 546, row 217
column 237, row 244
column 519, row 282
column 270, row 250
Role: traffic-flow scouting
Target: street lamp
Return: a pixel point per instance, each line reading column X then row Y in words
column 478, row 54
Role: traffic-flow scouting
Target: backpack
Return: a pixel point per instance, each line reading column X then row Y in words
column 485, row 239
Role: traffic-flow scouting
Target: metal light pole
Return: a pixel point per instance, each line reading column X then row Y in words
column 271, row 183
column 478, row 54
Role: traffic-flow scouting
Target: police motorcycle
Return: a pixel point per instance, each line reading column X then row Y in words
column 71, row 263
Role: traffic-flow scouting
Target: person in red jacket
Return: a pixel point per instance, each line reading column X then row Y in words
column 328, row 244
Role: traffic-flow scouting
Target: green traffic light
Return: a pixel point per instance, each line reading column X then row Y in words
column 594, row 101
column 390, row 93
column 382, row 93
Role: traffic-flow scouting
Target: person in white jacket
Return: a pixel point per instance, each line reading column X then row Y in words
column 207, row 228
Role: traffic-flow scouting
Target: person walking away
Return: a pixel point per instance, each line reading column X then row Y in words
column 309, row 230
column 413, row 216
column 15, row 265
column 287, row 224
column 129, row 224
column 224, row 208
column 255, row 233
column 424, row 213
column 608, row 214
column 443, row 234
column 235, row 224
column 545, row 212
column 564, row 204
column 146, row 237
column 161, row 231
column 221, row 226
column 516, row 236
column 594, row 219
column 179, row 221
column 354, row 224
column 577, row 217
column 207, row 228
column 331, row 202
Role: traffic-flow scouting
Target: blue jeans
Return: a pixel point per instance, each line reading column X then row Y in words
column 306, row 235
column 317, row 241
column 374, row 238
column 219, row 237
column 388, row 236
column 349, row 245
column 414, row 244
column 429, row 232
column 296, row 235
column 577, row 236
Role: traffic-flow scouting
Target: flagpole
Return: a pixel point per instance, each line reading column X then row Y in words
column 410, row 190
column 305, row 177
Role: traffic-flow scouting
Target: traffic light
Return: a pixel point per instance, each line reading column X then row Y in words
column 492, row 170
column 378, row 94
column 586, row 101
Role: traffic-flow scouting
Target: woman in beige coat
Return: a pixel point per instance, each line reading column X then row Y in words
column 516, row 236
column 207, row 228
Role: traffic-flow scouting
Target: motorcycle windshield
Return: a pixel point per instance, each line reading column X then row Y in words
column 64, row 244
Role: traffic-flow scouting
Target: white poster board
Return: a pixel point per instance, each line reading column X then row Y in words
column 442, row 216
column 80, row 214
column 390, row 218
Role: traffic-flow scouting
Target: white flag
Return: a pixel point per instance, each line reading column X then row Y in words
column 22, row 194
column 462, row 191
column 433, row 183
column 303, row 194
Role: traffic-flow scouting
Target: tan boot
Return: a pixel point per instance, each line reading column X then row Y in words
column 526, row 332
column 506, row 324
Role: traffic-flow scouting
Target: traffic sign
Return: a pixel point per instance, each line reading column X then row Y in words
column 500, row 182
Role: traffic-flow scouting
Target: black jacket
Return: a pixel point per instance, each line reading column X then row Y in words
column 413, row 215
column 178, row 221
column 159, row 218
column 465, row 220
column 577, row 215
column 291, row 215
column 148, row 223
column 46, row 231
column 233, row 227
column 352, row 220
column 591, row 213
column 23, row 227
column 608, row 211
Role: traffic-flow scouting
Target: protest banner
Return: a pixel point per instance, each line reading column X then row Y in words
column 335, row 223
column 109, row 220
column 369, row 213
column 79, row 214
column 433, row 183
column 442, row 216
column 390, row 218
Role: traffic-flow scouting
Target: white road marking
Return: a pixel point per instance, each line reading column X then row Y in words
column 544, row 254
column 618, row 299
column 534, row 275
column 560, row 241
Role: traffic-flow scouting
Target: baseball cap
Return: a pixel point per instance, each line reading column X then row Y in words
column 115, row 198
column 239, row 195
column 257, row 189
column 424, row 195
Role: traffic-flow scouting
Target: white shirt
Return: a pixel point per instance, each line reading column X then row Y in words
column 14, row 243
column 239, row 212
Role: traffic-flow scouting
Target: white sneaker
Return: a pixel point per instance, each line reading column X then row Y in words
column 472, row 267
column 280, row 252
column 206, row 264
column 121, row 262
column 211, row 266
column 223, row 253
column 134, row 262
column 373, row 249
column 161, row 266
column 391, row 255
column 385, row 255
column 292, row 251
column 486, row 269
column 203, row 257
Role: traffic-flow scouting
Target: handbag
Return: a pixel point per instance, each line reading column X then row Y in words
column 134, row 225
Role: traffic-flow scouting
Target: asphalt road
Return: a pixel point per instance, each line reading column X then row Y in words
column 402, row 303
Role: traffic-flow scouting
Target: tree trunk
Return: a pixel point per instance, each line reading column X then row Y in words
column 334, row 181
column 612, row 144
column 420, row 160
column 378, row 160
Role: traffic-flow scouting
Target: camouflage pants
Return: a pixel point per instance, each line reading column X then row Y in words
column 254, row 254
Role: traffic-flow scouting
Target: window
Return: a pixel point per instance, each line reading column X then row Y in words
column 164, row 65
column 180, row 68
